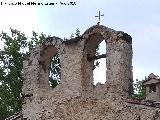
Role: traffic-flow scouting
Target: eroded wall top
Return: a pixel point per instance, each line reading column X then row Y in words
column 77, row 97
column 76, row 68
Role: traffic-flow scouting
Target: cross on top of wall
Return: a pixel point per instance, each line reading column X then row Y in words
column 99, row 17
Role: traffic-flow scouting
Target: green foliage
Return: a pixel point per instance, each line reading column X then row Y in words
column 16, row 46
column 72, row 36
column 96, row 62
column 55, row 71
column 139, row 90
column 11, row 64
column 36, row 40
column 77, row 34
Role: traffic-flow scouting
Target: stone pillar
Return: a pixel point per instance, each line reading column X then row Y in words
column 71, row 61
column 119, row 63
column 31, row 72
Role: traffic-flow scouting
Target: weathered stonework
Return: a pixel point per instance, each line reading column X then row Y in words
column 76, row 98
column 152, row 88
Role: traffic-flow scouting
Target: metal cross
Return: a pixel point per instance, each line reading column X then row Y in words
column 99, row 16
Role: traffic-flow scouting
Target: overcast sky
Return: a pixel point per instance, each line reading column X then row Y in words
column 138, row 18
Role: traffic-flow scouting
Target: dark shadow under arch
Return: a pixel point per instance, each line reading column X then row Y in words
column 49, row 59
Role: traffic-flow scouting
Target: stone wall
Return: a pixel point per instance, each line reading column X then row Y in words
column 77, row 98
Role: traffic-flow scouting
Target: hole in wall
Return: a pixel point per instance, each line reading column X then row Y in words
column 152, row 88
column 54, row 71
column 51, row 68
column 99, row 72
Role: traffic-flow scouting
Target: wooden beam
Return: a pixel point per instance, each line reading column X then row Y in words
column 96, row 57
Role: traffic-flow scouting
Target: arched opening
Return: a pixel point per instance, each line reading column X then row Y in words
column 99, row 72
column 51, row 68
column 55, row 71
column 95, row 58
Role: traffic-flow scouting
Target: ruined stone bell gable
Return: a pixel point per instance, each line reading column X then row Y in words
column 77, row 98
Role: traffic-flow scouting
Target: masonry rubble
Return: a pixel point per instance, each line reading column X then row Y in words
column 77, row 98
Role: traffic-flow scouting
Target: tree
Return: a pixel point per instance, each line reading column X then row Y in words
column 139, row 90
column 11, row 63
